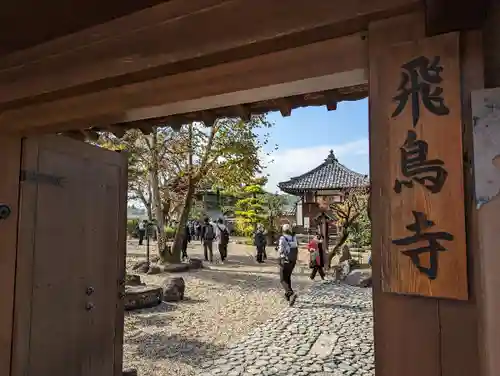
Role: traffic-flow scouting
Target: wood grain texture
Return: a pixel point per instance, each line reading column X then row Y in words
column 466, row 15
column 463, row 331
column 70, row 240
column 443, row 135
column 175, row 32
column 110, row 106
column 406, row 328
column 10, row 155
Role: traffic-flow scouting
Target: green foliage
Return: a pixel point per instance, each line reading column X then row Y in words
column 132, row 227
column 250, row 209
column 257, row 206
column 361, row 231
column 274, row 204
column 170, row 232
column 243, row 227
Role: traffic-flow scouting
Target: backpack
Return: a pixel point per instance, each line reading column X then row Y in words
column 209, row 233
column 224, row 236
column 294, row 251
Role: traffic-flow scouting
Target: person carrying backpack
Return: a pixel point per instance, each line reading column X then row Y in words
column 207, row 238
column 222, row 236
column 288, row 250
column 260, row 243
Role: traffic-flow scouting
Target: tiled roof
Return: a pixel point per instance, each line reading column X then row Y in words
column 329, row 175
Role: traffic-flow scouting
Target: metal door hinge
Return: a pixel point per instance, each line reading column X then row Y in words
column 36, row 177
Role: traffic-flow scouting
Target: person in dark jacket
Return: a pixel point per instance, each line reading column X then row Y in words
column 207, row 238
column 260, row 243
column 185, row 240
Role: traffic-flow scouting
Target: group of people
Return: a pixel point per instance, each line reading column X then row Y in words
column 207, row 233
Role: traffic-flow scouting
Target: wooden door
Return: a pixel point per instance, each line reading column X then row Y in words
column 70, row 263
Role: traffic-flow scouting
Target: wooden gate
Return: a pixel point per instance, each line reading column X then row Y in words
column 70, row 260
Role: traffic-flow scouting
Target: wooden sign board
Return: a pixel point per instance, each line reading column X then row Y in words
column 427, row 252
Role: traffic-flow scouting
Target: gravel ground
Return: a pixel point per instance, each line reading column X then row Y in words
column 223, row 304
column 328, row 332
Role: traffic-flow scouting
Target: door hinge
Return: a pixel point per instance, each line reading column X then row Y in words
column 36, row 177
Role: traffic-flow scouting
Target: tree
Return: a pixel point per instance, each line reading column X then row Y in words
column 155, row 163
column 348, row 211
column 166, row 167
column 251, row 208
column 274, row 204
column 224, row 155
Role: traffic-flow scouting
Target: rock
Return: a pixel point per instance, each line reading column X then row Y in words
column 195, row 263
column 140, row 264
column 144, row 268
column 173, row 289
column 176, row 268
column 154, row 269
column 155, row 259
column 137, row 297
column 133, row 280
column 367, row 282
column 358, row 277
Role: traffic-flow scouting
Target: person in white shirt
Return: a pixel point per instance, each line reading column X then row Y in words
column 288, row 250
column 141, row 227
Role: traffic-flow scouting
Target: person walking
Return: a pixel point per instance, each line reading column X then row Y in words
column 207, row 237
column 185, row 241
column 141, row 227
column 315, row 262
column 197, row 230
column 260, row 243
column 288, row 250
column 222, row 237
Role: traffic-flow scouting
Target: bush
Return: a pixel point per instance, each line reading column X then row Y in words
column 132, row 228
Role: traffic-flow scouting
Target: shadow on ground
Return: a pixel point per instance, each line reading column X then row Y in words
column 175, row 347
column 312, row 306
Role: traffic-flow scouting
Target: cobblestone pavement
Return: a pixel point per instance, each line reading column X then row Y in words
column 328, row 332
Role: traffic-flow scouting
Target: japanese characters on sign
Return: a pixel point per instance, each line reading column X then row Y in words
column 417, row 79
column 427, row 250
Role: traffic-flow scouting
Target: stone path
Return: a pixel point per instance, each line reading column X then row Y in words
column 329, row 332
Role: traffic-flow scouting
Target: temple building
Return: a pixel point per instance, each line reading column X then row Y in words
column 319, row 188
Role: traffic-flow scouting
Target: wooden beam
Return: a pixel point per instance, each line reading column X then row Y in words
column 116, row 130
column 444, row 16
column 243, row 112
column 331, row 106
column 285, row 107
column 145, row 128
column 78, row 135
column 115, row 104
column 147, row 45
column 209, row 118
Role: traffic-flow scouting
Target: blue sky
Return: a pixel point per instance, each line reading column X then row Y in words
column 305, row 138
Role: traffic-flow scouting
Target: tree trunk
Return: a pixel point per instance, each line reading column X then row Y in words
column 157, row 206
column 175, row 255
column 341, row 242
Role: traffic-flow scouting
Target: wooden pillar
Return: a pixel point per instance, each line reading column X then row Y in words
column 417, row 336
column 10, row 157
